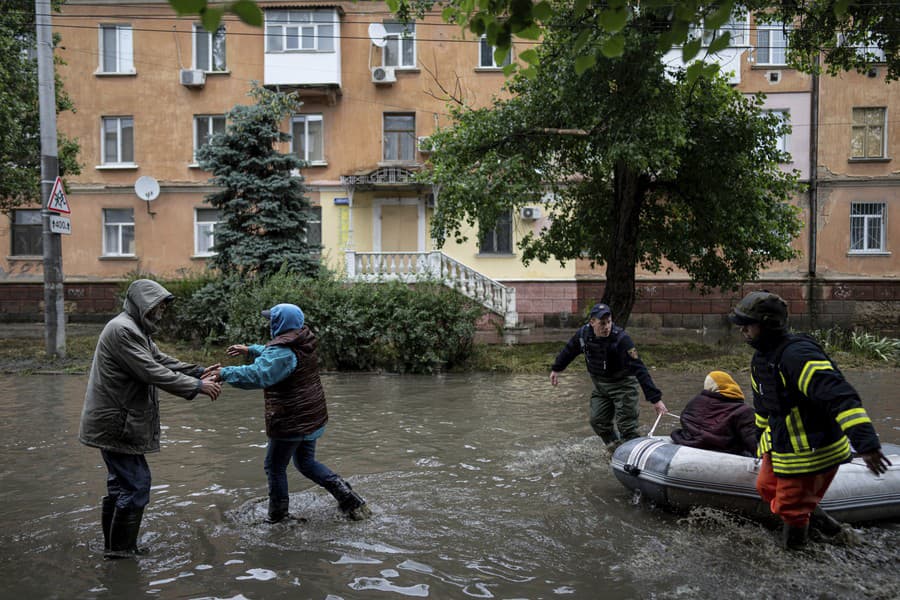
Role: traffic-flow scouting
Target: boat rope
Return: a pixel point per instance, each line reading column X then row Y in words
column 658, row 417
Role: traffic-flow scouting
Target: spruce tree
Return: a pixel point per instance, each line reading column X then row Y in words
column 263, row 196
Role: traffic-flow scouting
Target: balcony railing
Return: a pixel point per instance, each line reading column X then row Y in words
column 410, row 266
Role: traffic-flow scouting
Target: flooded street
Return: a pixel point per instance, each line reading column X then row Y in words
column 482, row 487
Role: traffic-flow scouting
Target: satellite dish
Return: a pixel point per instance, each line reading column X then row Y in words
column 146, row 188
column 377, row 34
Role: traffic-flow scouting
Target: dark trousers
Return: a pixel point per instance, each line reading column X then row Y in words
column 303, row 453
column 128, row 479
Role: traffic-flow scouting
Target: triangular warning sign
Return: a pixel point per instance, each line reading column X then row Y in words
column 58, row 202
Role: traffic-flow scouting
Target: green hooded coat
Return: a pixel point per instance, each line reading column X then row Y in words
column 121, row 404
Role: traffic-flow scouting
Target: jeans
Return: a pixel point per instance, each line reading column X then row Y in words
column 128, row 479
column 303, row 452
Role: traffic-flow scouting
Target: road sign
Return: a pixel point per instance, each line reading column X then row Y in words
column 58, row 202
column 60, row 225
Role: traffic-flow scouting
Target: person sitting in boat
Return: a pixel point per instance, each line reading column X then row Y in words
column 717, row 418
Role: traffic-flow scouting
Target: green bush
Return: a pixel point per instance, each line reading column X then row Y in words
column 388, row 325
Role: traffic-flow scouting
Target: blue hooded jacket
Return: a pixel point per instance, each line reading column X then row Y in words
column 271, row 363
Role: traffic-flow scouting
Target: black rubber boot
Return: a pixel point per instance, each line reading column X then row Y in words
column 123, row 533
column 794, row 538
column 278, row 509
column 349, row 502
column 108, row 504
column 824, row 523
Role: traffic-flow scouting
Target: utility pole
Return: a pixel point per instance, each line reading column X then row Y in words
column 54, row 314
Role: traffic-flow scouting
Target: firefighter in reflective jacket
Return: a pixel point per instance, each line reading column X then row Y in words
column 807, row 416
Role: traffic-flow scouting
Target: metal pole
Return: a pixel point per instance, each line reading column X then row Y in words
column 54, row 314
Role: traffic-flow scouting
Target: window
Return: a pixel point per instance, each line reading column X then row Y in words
column 205, row 220
column 499, row 239
column 27, row 231
column 867, row 227
column 400, row 50
column 116, row 52
column 307, row 138
column 771, row 44
column 867, row 135
column 399, row 137
column 785, row 120
column 867, row 49
column 118, row 232
column 314, row 228
column 206, row 126
column 209, row 50
column 300, row 30
column 486, row 55
column 117, row 140
column 737, row 27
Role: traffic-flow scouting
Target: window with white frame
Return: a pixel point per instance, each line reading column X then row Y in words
column 116, row 49
column 867, row 135
column 300, row 30
column 307, row 138
column 118, row 232
column 737, row 27
column 206, row 126
column 117, row 140
column 209, row 49
column 867, row 227
column 314, row 228
column 400, row 49
column 399, row 136
column 771, row 44
column 486, row 58
column 499, row 239
column 784, row 118
column 27, row 231
column 866, row 49
column 205, row 220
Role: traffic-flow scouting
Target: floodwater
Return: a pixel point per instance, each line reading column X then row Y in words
column 482, row 487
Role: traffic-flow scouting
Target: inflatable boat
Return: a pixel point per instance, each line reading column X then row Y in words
column 681, row 477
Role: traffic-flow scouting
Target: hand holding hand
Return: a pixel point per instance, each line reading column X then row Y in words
column 211, row 371
column 210, row 388
column 237, row 350
column 554, row 378
column 876, row 461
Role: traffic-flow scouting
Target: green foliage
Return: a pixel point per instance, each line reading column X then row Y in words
column 645, row 168
column 859, row 343
column 394, row 326
column 20, row 142
column 262, row 197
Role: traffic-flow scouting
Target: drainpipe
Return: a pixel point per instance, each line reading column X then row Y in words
column 811, row 299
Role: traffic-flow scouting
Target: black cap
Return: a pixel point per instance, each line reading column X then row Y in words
column 599, row 311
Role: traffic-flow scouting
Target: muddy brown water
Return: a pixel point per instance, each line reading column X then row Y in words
column 482, row 487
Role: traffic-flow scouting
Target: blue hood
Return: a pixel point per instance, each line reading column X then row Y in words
column 285, row 317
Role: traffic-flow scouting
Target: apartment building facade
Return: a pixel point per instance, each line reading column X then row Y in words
column 150, row 88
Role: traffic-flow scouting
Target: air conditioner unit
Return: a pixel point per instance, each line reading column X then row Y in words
column 423, row 144
column 530, row 212
column 383, row 75
column 193, row 78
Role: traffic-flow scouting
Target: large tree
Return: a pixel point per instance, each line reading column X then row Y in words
column 833, row 27
column 20, row 122
column 263, row 196
column 641, row 166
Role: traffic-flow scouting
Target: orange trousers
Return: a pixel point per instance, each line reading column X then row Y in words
column 792, row 498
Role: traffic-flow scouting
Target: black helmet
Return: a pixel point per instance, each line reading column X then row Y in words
column 765, row 308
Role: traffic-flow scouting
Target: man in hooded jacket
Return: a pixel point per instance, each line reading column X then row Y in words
column 287, row 369
column 121, row 408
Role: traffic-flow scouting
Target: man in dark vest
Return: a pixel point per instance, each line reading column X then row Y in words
column 807, row 417
column 287, row 370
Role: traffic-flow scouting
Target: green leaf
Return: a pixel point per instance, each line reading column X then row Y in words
column 248, row 12
column 710, row 69
column 613, row 20
column 581, row 40
column 719, row 17
column 690, row 50
column 840, row 7
column 580, row 6
column 211, row 17
column 530, row 56
column 393, row 5
column 188, row 7
column 694, row 71
column 613, row 46
column 532, row 32
column 542, row 11
column 720, row 42
column 585, row 62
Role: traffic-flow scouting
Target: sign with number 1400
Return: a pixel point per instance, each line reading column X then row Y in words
column 60, row 224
